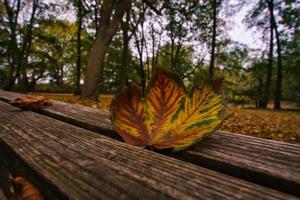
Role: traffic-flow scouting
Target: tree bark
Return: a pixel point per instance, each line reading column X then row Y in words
column 260, row 90
column 176, row 57
column 111, row 16
column 213, row 43
column 277, row 102
column 78, row 62
column 26, row 48
column 153, row 49
column 96, row 17
column 270, row 61
column 172, row 35
column 123, row 73
column 13, row 50
column 140, row 47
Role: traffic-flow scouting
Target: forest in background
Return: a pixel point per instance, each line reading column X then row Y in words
column 92, row 46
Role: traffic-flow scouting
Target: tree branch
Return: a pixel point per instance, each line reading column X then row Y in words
column 150, row 5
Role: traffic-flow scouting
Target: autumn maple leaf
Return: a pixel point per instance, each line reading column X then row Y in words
column 167, row 117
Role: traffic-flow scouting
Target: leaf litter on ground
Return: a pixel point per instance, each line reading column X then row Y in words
column 264, row 123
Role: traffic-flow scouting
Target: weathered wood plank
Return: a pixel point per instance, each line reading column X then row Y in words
column 2, row 196
column 269, row 163
column 4, row 181
column 82, row 164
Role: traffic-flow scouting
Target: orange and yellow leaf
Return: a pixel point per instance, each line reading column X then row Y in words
column 198, row 115
column 27, row 190
column 128, row 116
column 167, row 117
column 162, row 100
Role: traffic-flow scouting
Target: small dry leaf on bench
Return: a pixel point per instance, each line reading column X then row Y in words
column 29, row 102
column 167, row 117
column 25, row 190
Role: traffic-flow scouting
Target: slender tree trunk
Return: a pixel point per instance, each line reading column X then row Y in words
column 10, row 80
column 213, row 43
column 172, row 54
column 60, row 76
column 111, row 16
column 147, row 54
column 270, row 63
column 78, row 62
column 13, row 50
column 172, row 36
column 277, row 103
column 26, row 48
column 153, row 49
column 123, row 76
column 140, row 47
column 260, row 90
column 176, row 58
column 96, row 17
column 157, row 52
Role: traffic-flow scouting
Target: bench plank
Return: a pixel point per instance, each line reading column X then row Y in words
column 2, row 196
column 269, row 163
column 82, row 164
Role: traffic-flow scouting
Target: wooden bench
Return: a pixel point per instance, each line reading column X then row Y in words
column 64, row 150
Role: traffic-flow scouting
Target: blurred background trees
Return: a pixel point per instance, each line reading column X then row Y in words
column 92, row 46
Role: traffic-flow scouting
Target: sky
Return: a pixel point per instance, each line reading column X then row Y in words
column 241, row 34
column 239, row 31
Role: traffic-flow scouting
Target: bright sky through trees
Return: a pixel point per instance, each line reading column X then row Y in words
column 238, row 31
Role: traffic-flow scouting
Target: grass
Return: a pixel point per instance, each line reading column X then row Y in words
column 265, row 123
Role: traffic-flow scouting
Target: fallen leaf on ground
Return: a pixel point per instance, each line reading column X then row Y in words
column 270, row 123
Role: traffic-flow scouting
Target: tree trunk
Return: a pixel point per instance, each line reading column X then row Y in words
column 172, row 35
column 78, row 62
column 140, row 47
column 176, row 58
column 153, row 49
column 157, row 52
column 123, row 73
column 10, row 79
column 26, row 48
column 260, row 90
column 172, row 54
column 270, row 62
column 277, row 103
column 147, row 54
column 24, row 84
column 213, row 43
column 60, row 76
column 13, row 50
column 96, row 17
column 111, row 16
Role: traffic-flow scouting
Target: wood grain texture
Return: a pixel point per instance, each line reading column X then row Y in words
column 2, row 196
column 265, row 162
column 82, row 164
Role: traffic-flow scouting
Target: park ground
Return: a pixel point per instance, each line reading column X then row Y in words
column 281, row 125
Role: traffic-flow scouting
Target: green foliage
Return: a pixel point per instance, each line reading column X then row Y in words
column 53, row 88
column 184, row 59
column 112, row 66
